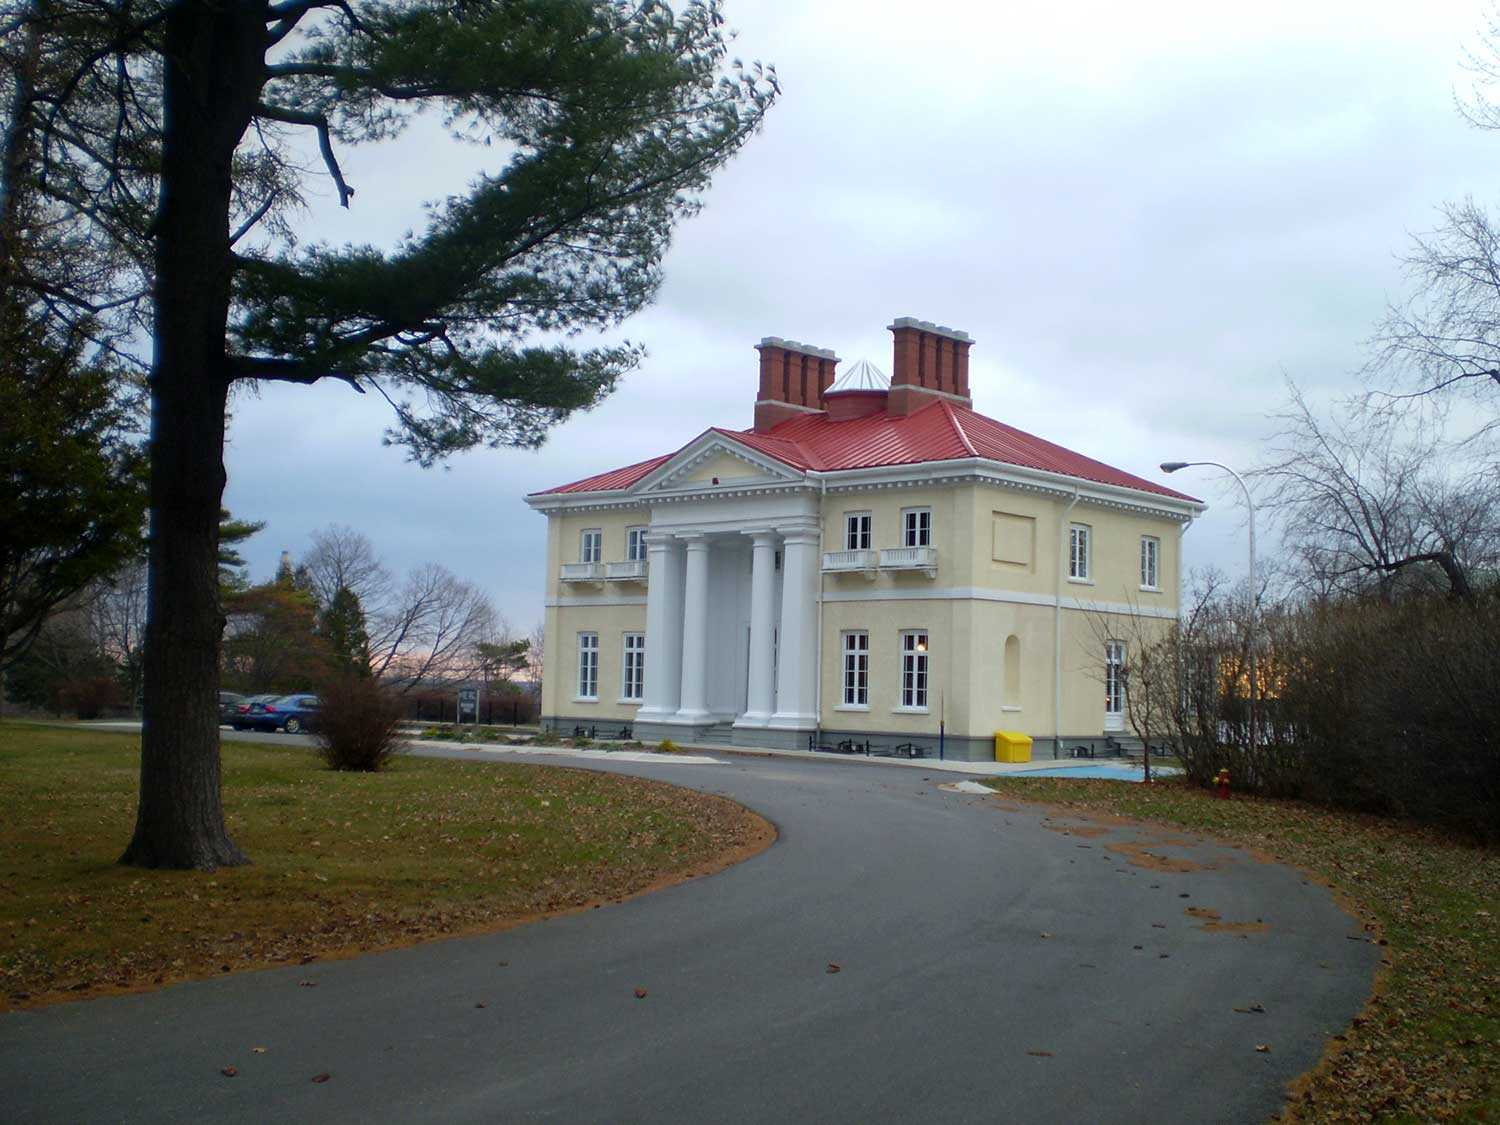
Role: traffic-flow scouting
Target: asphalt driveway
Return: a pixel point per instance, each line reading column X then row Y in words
column 990, row 966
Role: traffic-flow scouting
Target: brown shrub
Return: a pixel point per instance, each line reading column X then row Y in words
column 358, row 724
column 89, row 696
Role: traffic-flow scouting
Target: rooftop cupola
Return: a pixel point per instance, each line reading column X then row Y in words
column 860, row 391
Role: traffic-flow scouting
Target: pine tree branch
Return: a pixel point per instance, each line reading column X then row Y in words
column 258, row 214
column 272, row 369
column 320, row 123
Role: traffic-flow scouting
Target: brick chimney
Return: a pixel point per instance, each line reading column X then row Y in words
column 931, row 362
column 793, row 378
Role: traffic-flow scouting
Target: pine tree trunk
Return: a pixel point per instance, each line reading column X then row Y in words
column 214, row 69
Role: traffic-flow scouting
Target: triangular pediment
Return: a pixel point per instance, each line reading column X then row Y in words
column 714, row 455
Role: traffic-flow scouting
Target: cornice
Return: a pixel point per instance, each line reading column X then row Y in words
column 925, row 474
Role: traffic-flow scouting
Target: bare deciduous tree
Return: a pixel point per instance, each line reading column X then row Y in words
column 1373, row 498
column 423, row 629
column 429, row 629
column 116, row 615
column 1446, row 336
column 342, row 556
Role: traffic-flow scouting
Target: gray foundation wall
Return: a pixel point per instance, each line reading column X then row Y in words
column 954, row 749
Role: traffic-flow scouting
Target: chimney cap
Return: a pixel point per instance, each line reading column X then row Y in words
column 796, row 346
column 928, row 326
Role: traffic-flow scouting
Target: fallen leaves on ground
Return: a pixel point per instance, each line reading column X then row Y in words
column 1427, row 1047
column 428, row 849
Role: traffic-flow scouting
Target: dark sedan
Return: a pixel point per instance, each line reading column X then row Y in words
column 240, row 720
column 291, row 713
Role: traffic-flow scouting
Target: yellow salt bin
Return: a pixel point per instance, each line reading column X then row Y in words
column 1012, row 746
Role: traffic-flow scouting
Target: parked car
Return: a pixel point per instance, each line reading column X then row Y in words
column 291, row 713
column 241, row 717
column 229, row 702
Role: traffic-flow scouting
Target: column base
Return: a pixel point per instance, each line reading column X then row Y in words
column 792, row 720
column 655, row 715
column 752, row 719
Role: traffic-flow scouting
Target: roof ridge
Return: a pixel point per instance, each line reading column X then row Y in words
column 958, row 426
column 802, row 451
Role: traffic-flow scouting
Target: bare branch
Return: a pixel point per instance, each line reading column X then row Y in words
column 325, row 145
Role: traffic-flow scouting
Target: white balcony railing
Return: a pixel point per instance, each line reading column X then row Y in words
column 847, row 562
column 630, row 570
column 582, row 572
column 909, row 558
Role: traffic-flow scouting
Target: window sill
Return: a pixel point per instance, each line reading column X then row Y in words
column 1009, row 707
column 852, row 707
column 1080, row 581
column 1150, row 589
column 910, row 711
column 585, row 699
column 627, row 702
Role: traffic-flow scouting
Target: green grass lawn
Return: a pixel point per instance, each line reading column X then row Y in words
column 342, row 862
column 1428, row 1045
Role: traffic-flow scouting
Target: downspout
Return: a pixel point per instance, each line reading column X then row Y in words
column 1062, row 547
column 818, row 647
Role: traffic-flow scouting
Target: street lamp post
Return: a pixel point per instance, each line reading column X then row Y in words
column 1254, row 598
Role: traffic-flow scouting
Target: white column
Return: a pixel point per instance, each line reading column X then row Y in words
column 797, row 663
column 760, row 696
column 695, row 633
column 663, row 628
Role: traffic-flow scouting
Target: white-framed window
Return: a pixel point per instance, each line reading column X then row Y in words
column 916, row 527
column 1114, row 679
column 856, row 668
column 1080, row 551
column 635, row 544
column 590, row 545
column 588, row 665
column 914, row 670
column 856, row 531
column 633, row 678
column 1150, row 562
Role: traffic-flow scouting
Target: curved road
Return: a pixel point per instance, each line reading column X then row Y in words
column 991, row 967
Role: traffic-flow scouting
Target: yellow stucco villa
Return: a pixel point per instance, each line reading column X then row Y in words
column 872, row 561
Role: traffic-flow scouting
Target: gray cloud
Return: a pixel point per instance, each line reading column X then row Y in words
column 1147, row 215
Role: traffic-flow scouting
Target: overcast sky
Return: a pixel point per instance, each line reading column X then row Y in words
column 1148, row 216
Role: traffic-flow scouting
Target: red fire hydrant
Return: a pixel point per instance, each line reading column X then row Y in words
column 1222, row 781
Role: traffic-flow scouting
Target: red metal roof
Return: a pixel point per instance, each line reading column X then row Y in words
column 614, row 479
column 940, row 432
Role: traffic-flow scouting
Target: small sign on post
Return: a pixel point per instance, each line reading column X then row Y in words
column 468, row 705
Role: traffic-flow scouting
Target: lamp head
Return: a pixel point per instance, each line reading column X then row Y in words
column 1173, row 466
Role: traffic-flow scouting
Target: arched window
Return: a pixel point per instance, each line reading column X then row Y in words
column 1010, row 673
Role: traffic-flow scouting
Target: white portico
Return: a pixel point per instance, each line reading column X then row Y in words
column 731, row 617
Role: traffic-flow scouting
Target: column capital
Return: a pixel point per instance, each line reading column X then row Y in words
column 761, row 535
column 660, row 539
column 807, row 536
column 694, row 540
